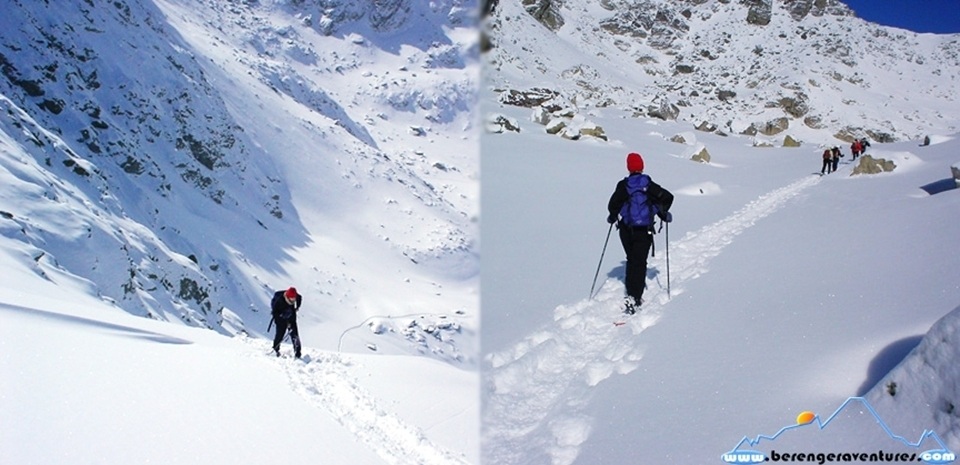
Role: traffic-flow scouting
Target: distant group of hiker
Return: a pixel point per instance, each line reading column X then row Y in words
column 832, row 155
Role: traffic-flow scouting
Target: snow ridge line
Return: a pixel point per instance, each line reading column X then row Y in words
column 538, row 390
column 323, row 380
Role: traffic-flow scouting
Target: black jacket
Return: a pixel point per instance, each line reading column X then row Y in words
column 281, row 310
column 656, row 195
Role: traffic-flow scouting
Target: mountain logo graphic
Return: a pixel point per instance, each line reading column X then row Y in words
column 741, row 454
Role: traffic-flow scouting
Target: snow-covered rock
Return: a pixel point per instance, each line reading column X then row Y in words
column 923, row 391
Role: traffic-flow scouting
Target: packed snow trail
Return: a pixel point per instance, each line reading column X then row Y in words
column 537, row 391
column 323, row 379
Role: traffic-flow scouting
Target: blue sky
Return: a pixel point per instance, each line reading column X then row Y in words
column 940, row 16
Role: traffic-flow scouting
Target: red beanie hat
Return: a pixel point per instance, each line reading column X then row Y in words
column 634, row 162
column 291, row 293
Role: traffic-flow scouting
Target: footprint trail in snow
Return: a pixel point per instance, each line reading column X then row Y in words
column 537, row 391
column 324, row 380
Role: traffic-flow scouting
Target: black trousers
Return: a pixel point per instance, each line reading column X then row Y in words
column 636, row 244
column 282, row 326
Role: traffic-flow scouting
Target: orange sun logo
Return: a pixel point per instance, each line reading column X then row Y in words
column 805, row 417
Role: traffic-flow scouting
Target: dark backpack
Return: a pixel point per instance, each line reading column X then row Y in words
column 638, row 210
column 278, row 301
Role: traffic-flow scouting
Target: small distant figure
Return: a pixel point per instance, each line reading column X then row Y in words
column 856, row 148
column 926, row 141
column 835, row 157
column 284, row 308
column 827, row 167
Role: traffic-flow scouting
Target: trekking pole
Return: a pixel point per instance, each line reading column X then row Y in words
column 601, row 260
column 668, row 260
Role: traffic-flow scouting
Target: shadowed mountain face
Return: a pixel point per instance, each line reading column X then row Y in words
column 150, row 147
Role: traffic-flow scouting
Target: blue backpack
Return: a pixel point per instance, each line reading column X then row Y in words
column 638, row 210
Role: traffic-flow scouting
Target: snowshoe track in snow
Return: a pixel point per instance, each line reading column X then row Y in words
column 538, row 390
column 324, row 380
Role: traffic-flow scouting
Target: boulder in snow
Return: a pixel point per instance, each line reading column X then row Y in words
column 921, row 392
column 706, row 126
column 555, row 126
column 527, row 98
column 703, row 156
column 497, row 124
column 870, row 165
column 593, row 130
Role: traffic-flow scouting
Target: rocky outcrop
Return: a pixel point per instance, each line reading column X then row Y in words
column 813, row 122
column 497, row 124
column 759, row 11
column 870, row 165
column 555, row 126
column 527, row 98
column 546, row 12
column 790, row 141
column 774, row 127
column 593, row 131
column 726, row 95
column 388, row 15
column 880, row 136
column 706, row 126
column 703, row 156
column 795, row 106
column 664, row 110
column 568, row 130
column 849, row 134
column 799, row 9
column 655, row 22
column 566, row 123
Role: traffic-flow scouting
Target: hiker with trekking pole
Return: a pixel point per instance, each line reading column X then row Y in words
column 632, row 207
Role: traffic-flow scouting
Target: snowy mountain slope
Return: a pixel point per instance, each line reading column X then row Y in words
column 315, row 131
column 182, row 161
column 106, row 386
column 790, row 292
column 808, row 69
column 419, row 183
